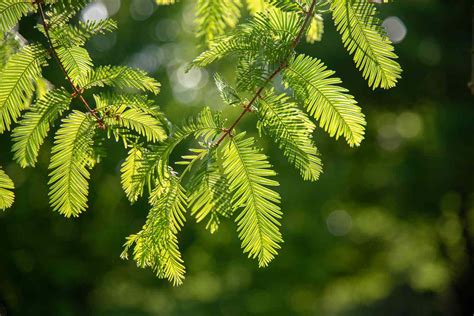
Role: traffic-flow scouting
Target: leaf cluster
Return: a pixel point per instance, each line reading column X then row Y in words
column 225, row 174
column 39, row 111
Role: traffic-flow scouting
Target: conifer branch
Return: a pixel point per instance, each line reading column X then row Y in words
column 77, row 91
column 283, row 65
column 237, row 177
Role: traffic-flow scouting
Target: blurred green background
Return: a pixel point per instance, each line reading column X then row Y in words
column 388, row 230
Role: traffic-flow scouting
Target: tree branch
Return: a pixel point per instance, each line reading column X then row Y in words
column 77, row 91
column 283, row 65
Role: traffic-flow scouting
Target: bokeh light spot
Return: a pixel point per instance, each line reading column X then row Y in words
column 339, row 223
column 409, row 124
column 429, row 52
column 141, row 10
column 113, row 6
column 95, row 11
column 190, row 79
column 167, row 30
column 395, row 28
column 148, row 59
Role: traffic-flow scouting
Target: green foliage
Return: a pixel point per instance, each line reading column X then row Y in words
column 6, row 194
column 213, row 16
column 74, row 152
column 76, row 61
column 121, row 115
column 286, row 5
column 130, row 171
column 209, row 196
column 17, row 83
column 156, row 245
column 11, row 11
column 364, row 38
column 35, row 125
column 264, row 48
column 71, row 156
column 315, row 30
column 120, row 77
column 224, row 176
column 268, row 35
column 155, row 163
column 247, row 171
column 315, row 87
column 292, row 130
column 66, row 35
column 255, row 6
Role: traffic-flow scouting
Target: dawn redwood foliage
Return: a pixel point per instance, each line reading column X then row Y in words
column 225, row 174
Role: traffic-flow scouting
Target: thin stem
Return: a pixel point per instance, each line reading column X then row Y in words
column 306, row 22
column 77, row 91
column 283, row 65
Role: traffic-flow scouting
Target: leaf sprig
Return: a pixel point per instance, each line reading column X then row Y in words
column 225, row 174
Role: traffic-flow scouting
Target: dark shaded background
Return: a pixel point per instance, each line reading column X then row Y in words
column 386, row 231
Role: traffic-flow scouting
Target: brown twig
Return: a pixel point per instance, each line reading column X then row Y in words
column 77, row 91
column 283, row 65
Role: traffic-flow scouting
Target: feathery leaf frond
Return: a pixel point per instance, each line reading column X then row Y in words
column 268, row 34
column 129, row 171
column 35, row 125
column 66, row 35
column 126, row 112
column 221, row 47
column 70, row 158
column 155, row 164
column 156, row 245
column 11, row 11
column 76, row 61
column 247, row 171
column 209, row 196
column 315, row 87
column 106, row 101
column 120, row 77
column 213, row 16
column 135, row 120
column 292, row 130
column 364, row 38
column 6, row 194
column 286, row 5
column 17, row 83
column 66, row 6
